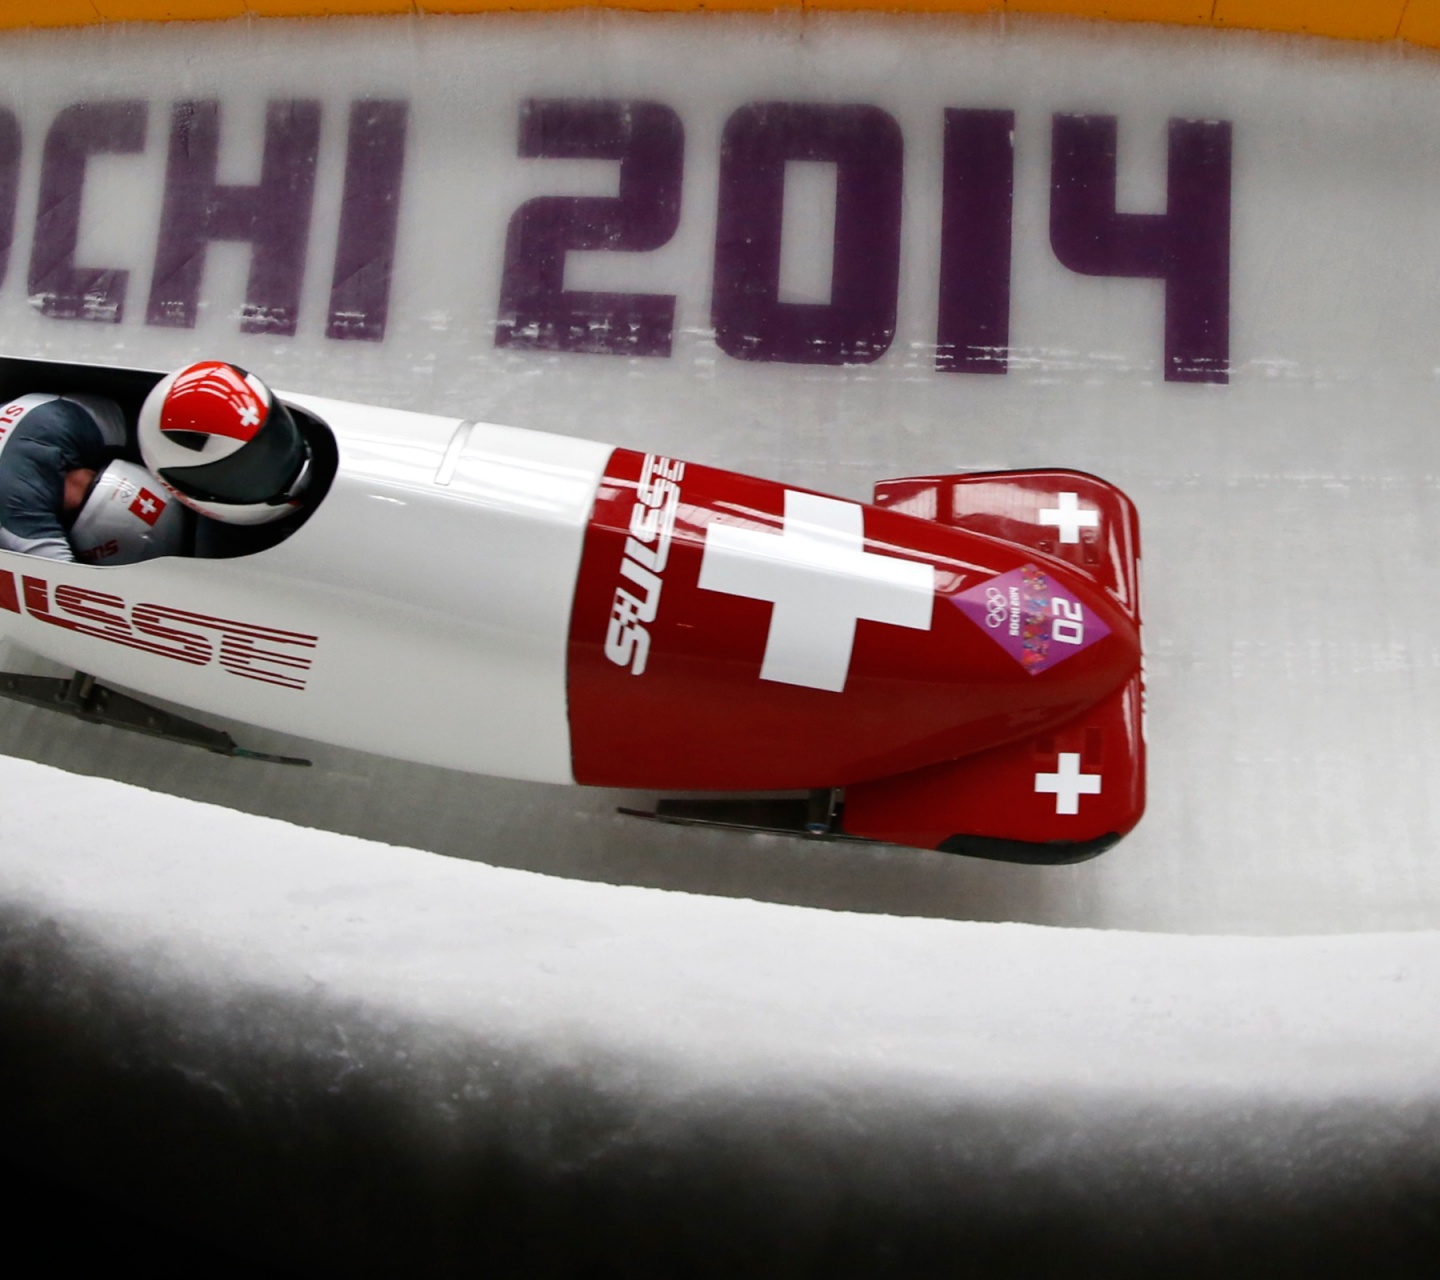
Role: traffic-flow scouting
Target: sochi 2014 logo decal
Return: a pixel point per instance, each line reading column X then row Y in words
column 1036, row 623
column 243, row 649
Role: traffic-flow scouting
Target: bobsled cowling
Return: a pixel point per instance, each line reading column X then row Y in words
column 510, row 602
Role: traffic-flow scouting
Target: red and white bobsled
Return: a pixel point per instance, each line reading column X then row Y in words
column 955, row 666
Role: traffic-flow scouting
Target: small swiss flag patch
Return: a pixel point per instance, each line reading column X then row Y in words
column 147, row 506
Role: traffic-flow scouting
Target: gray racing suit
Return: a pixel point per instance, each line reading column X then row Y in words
column 41, row 438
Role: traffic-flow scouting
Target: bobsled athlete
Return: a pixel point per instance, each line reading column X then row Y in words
column 65, row 494
column 52, row 448
column 221, row 443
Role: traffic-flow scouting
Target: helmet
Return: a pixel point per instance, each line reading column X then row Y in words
column 220, row 442
column 127, row 517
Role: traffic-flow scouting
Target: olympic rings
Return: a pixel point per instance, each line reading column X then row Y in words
column 997, row 607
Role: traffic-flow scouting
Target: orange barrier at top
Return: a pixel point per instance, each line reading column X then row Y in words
column 1415, row 21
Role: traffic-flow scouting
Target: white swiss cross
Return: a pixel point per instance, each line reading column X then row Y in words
column 1068, row 784
column 147, row 504
column 249, row 416
column 821, row 581
column 1069, row 518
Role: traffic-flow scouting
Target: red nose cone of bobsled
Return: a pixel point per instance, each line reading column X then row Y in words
column 730, row 633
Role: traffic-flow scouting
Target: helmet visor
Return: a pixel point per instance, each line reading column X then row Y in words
column 262, row 470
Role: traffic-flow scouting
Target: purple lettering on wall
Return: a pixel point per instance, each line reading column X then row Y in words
column 369, row 217
column 973, row 328
column 1187, row 246
column 273, row 216
column 537, row 312
column 57, row 286
column 9, row 184
column 857, row 325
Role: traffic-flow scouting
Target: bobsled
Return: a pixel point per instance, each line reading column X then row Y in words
column 954, row 665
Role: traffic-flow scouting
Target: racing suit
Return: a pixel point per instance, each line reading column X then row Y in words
column 41, row 438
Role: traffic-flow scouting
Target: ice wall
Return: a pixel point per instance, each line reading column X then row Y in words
column 355, row 1058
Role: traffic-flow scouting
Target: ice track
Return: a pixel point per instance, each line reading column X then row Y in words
column 682, row 1051
column 368, row 1056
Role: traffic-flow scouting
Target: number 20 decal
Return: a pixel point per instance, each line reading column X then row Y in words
column 1068, row 623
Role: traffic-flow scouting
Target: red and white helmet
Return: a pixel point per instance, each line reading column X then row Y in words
column 223, row 444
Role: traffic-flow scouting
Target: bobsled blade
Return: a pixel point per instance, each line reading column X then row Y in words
column 82, row 697
column 815, row 817
column 1062, row 796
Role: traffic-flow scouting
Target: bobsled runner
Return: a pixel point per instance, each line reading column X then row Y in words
column 955, row 665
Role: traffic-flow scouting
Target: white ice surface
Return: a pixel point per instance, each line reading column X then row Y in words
column 728, row 1083
column 723, row 991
